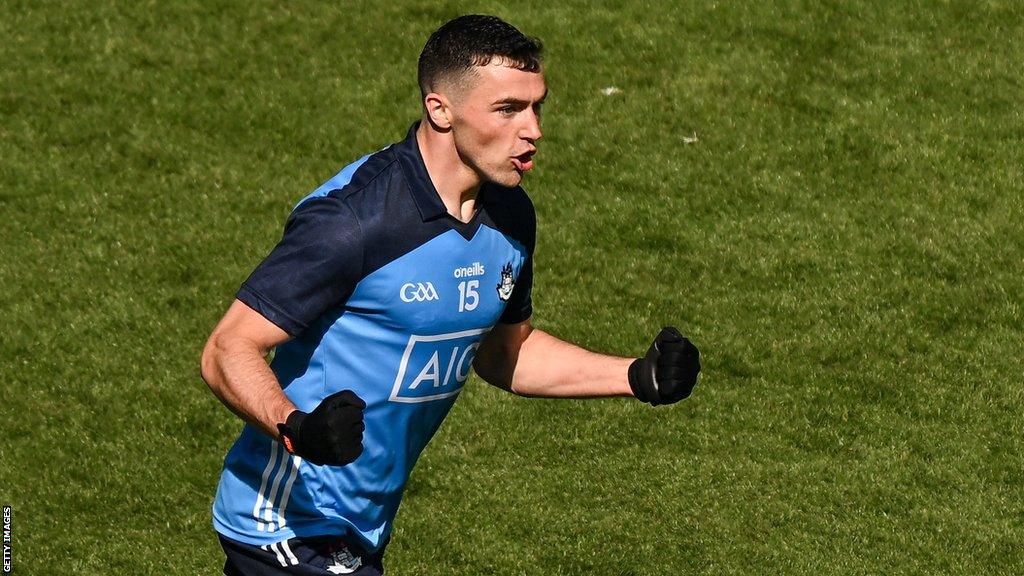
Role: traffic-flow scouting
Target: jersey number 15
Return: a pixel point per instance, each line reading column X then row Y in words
column 469, row 298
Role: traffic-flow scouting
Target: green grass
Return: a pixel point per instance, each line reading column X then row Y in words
column 844, row 242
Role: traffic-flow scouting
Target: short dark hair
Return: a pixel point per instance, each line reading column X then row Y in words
column 475, row 40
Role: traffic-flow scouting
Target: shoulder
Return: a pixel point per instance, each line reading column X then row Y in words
column 376, row 201
column 336, row 211
column 512, row 212
column 514, row 201
column 366, row 173
column 355, row 196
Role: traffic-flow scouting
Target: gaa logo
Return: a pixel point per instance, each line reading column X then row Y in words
column 435, row 367
column 418, row 292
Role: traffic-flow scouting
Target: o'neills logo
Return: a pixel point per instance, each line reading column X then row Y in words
column 477, row 269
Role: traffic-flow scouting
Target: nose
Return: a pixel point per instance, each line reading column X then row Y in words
column 531, row 128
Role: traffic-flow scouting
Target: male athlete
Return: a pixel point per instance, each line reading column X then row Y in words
column 393, row 280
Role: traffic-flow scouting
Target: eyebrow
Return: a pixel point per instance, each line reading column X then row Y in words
column 514, row 100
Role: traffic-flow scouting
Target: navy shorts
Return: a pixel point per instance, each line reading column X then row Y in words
column 308, row 556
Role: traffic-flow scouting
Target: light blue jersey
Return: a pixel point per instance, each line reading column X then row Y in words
column 387, row 295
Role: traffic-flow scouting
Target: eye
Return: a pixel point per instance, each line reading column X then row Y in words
column 507, row 110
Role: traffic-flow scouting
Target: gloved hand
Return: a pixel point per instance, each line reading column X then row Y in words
column 668, row 372
column 331, row 434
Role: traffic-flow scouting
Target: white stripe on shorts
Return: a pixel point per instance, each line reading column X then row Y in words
column 288, row 551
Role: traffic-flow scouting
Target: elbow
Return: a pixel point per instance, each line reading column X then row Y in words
column 495, row 377
column 507, row 382
column 520, row 391
column 208, row 363
column 510, row 386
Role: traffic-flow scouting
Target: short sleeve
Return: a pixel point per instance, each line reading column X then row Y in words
column 315, row 266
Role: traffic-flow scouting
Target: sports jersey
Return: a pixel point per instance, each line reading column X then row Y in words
column 385, row 294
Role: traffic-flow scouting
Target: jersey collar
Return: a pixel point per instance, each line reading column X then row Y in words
column 422, row 188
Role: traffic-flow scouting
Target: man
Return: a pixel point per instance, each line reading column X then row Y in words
column 393, row 279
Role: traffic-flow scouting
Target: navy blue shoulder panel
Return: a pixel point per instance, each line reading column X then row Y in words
column 510, row 211
column 316, row 264
column 391, row 222
column 332, row 240
column 335, row 238
column 320, row 257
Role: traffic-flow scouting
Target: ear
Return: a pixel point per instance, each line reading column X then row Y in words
column 439, row 110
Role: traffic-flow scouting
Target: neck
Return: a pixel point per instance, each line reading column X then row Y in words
column 455, row 182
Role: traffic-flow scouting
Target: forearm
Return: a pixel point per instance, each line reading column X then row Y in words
column 553, row 368
column 239, row 376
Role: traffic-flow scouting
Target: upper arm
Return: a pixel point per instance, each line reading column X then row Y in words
column 499, row 352
column 241, row 329
column 243, row 324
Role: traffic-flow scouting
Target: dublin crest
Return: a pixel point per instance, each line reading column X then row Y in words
column 343, row 561
column 507, row 283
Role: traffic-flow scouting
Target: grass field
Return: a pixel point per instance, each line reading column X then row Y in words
column 843, row 240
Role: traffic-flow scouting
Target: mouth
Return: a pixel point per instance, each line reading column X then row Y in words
column 524, row 161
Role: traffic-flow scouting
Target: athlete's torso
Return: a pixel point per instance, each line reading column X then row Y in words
column 396, row 315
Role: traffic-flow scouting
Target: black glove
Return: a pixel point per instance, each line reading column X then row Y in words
column 331, row 434
column 668, row 372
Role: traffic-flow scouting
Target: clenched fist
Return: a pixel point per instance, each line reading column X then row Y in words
column 668, row 372
column 331, row 434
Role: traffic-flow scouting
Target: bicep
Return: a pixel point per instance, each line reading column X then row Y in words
column 242, row 324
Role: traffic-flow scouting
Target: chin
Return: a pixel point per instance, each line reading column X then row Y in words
column 507, row 179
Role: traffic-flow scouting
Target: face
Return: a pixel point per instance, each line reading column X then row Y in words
column 495, row 122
